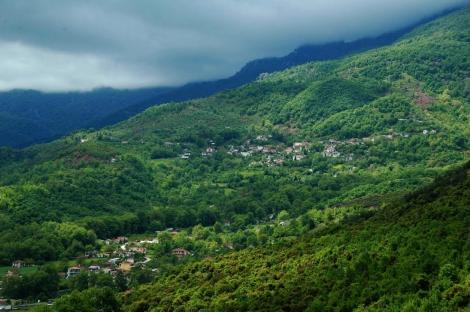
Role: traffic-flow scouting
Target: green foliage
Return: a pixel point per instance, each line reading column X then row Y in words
column 90, row 300
column 45, row 242
column 328, row 97
column 376, row 125
column 321, row 225
column 411, row 255
column 42, row 284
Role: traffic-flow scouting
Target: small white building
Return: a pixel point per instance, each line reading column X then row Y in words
column 18, row 264
column 114, row 261
column 94, row 268
column 73, row 271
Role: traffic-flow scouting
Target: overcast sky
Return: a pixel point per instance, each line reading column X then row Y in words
column 57, row 45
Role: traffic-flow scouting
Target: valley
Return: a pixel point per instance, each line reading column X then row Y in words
column 338, row 185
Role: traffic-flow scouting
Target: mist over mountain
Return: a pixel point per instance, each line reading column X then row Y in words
column 30, row 117
column 68, row 45
column 252, row 70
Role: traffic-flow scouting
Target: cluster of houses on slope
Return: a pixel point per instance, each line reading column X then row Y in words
column 330, row 151
column 274, row 154
column 123, row 258
column 277, row 154
column 111, row 268
column 205, row 153
column 331, row 146
column 117, row 240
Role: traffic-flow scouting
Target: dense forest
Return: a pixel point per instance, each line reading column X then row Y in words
column 30, row 117
column 412, row 255
column 296, row 191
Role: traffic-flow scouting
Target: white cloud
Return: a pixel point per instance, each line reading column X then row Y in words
column 77, row 45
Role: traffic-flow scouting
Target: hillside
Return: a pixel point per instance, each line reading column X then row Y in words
column 410, row 256
column 355, row 131
column 252, row 70
column 30, row 117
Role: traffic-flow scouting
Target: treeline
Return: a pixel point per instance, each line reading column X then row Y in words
column 44, row 242
column 87, row 182
column 46, row 283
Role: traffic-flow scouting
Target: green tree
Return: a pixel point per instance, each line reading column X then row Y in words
column 90, row 300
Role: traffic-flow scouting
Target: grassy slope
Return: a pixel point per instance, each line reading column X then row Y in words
column 412, row 255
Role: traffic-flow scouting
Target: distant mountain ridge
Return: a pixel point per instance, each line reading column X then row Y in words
column 29, row 117
column 252, row 70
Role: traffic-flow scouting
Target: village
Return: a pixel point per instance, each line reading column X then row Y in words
column 123, row 255
column 267, row 152
column 263, row 150
column 274, row 154
column 120, row 254
column 117, row 255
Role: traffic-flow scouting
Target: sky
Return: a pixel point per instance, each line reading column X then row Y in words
column 63, row 45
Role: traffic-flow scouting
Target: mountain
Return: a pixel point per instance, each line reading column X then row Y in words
column 254, row 69
column 31, row 117
column 354, row 132
column 337, row 185
column 409, row 256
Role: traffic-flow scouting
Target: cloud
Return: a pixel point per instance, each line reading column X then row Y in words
column 26, row 67
column 57, row 45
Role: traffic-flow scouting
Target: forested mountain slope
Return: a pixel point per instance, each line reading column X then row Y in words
column 412, row 255
column 355, row 131
column 252, row 70
column 29, row 117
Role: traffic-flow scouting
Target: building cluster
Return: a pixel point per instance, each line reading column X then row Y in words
column 208, row 151
column 274, row 155
column 429, row 132
column 331, row 147
column 123, row 258
column 117, row 240
column 186, row 155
